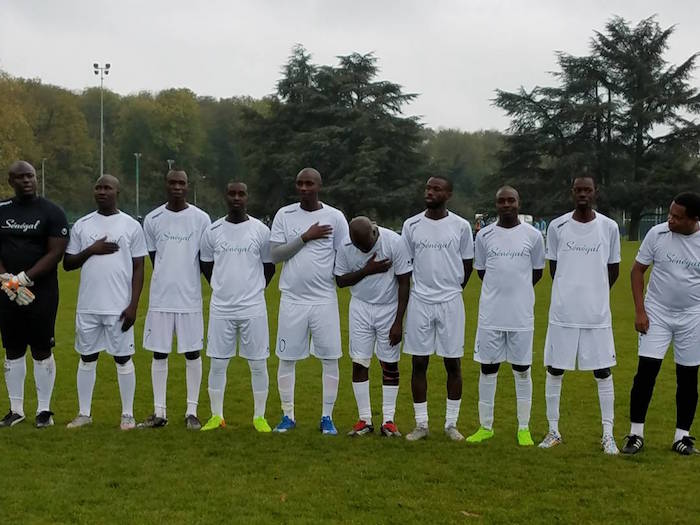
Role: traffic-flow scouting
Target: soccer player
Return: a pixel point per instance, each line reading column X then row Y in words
column 33, row 237
column 509, row 259
column 109, row 248
column 173, row 232
column 442, row 249
column 377, row 267
column 583, row 248
column 669, row 312
column 235, row 255
column 306, row 236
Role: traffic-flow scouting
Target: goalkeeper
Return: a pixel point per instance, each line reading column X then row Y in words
column 33, row 237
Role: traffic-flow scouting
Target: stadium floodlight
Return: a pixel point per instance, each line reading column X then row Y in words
column 102, row 70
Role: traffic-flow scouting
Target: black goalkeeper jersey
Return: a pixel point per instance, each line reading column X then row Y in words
column 25, row 227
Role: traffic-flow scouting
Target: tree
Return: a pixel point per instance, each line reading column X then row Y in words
column 622, row 114
column 347, row 124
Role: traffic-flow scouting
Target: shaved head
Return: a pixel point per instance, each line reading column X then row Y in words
column 21, row 167
column 360, row 225
column 311, row 173
column 176, row 173
column 363, row 233
column 507, row 189
column 109, row 179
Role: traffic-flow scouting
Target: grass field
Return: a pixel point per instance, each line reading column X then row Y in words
column 102, row 475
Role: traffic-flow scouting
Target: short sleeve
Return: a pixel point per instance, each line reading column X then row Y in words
column 466, row 242
column 552, row 242
column 74, row 243
column 149, row 234
column 537, row 252
column 479, row 252
column 206, row 246
column 407, row 240
column 341, row 262
column 614, row 244
column 647, row 250
column 57, row 224
column 401, row 262
column 278, row 233
column 265, row 246
column 138, row 242
column 341, row 232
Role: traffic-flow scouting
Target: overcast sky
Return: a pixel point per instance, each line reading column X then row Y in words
column 453, row 53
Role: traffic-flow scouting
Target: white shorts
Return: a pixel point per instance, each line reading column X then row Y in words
column 593, row 347
column 252, row 336
column 369, row 331
column 297, row 322
column 681, row 328
column 160, row 326
column 497, row 346
column 435, row 328
column 97, row 332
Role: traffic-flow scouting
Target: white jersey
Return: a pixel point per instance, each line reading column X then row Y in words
column 307, row 277
column 380, row 288
column 438, row 248
column 674, row 284
column 581, row 289
column 105, row 280
column 508, row 255
column 175, row 237
column 238, row 252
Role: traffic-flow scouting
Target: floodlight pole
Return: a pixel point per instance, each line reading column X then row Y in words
column 43, row 187
column 137, row 156
column 102, row 71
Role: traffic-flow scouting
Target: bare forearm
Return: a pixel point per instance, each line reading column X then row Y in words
column 136, row 282
column 350, row 279
column 404, row 290
column 637, row 277
column 75, row 261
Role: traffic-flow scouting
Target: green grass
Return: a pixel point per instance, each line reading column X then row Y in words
column 99, row 474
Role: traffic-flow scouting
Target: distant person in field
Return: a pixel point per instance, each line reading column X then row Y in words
column 33, row 237
column 109, row 248
column 306, row 236
column 583, row 248
column 442, row 248
column 509, row 259
column 670, row 312
column 375, row 263
column 235, row 255
column 173, row 232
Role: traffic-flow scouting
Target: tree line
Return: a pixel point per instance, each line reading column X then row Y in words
column 621, row 113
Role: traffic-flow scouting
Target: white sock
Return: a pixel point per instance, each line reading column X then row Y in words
column 260, row 382
column 364, row 407
column 637, row 429
column 217, row 385
column 193, row 376
column 552, row 395
column 680, row 434
column 44, row 379
column 331, row 378
column 285, row 385
column 421, row 412
column 523, row 397
column 87, row 374
column 452, row 412
column 15, row 372
column 606, row 397
column 159, row 378
column 487, row 397
column 126, row 376
column 389, row 395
